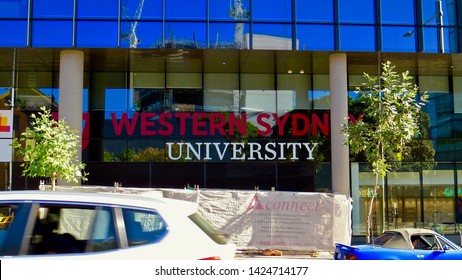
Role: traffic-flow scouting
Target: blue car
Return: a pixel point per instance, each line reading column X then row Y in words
column 402, row 244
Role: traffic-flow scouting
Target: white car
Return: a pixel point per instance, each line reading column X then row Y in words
column 51, row 224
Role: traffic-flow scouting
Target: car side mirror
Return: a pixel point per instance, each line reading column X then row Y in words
column 445, row 247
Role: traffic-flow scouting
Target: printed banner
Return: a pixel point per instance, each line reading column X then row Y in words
column 275, row 220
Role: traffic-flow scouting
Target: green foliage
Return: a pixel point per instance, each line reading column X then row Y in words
column 391, row 118
column 50, row 149
column 391, row 109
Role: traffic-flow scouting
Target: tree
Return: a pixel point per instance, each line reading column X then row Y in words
column 50, row 149
column 390, row 122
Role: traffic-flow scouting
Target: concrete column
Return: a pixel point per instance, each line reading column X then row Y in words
column 71, row 90
column 338, row 117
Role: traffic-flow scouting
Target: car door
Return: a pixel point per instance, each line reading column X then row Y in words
column 436, row 249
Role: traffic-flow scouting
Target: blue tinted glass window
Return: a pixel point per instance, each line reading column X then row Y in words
column 222, row 35
column 97, row 34
column 141, row 34
column 116, row 102
column 276, row 10
column 13, row 9
column 185, row 9
column 185, row 35
column 99, row 9
column 404, row 15
column 229, row 10
column 440, row 108
column 14, row 33
column 357, row 38
column 141, row 9
column 356, row 11
column 430, row 12
column 450, row 40
column 52, row 33
column 399, row 39
column 315, row 37
column 315, row 11
column 61, row 8
column 272, row 36
column 430, row 39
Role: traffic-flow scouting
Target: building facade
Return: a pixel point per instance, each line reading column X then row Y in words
column 238, row 94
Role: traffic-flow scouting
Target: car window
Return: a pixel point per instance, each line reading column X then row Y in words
column 204, row 225
column 143, row 227
column 448, row 245
column 6, row 219
column 383, row 238
column 61, row 229
column 395, row 240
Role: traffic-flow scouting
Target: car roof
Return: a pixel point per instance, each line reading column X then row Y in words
column 133, row 200
column 407, row 232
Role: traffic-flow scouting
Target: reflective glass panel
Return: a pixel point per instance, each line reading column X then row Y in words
column 404, row 15
column 272, row 36
column 61, row 8
column 97, row 34
column 430, row 40
column 14, row 33
column 185, row 9
column 141, row 34
column 278, row 10
column 13, row 9
column 228, row 35
column 398, row 39
column 185, row 35
column 52, row 33
column 357, row 38
column 229, row 10
column 315, row 11
column 431, row 9
column 104, row 9
column 356, row 11
column 315, row 37
column 145, row 9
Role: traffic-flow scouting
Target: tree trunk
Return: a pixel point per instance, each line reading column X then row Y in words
column 369, row 215
column 53, row 184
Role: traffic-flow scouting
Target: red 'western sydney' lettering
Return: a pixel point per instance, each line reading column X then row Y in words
column 201, row 124
column 212, row 124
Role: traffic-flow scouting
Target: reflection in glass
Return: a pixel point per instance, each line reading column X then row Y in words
column 13, row 9
column 97, row 34
column 185, row 9
column 404, row 15
column 272, row 36
column 315, row 11
column 13, row 33
column 228, row 35
column 356, row 11
column 394, row 40
column 229, row 10
column 357, row 38
column 52, row 33
column 315, row 37
column 182, row 35
column 107, row 9
column 278, row 10
column 61, row 9
column 141, row 34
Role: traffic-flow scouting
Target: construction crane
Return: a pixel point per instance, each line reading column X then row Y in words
column 237, row 12
column 131, row 36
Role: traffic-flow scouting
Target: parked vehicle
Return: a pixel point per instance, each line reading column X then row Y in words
column 402, row 244
column 49, row 224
